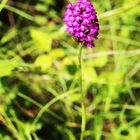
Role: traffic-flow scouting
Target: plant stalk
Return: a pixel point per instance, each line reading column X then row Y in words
column 83, row 107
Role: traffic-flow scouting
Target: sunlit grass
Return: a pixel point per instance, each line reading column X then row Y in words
column 39, row 79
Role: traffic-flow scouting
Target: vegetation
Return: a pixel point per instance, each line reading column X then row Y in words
column 39, row 76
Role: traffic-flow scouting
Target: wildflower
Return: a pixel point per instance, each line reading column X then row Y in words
column 82, row 22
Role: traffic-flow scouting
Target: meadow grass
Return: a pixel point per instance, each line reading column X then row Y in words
column 39, row 76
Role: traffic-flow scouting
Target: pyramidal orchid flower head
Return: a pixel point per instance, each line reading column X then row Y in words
column 81, row 21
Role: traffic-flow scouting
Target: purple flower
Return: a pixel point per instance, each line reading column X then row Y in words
column 82, row 22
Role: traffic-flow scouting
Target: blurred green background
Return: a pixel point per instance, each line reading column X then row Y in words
column 39, row 90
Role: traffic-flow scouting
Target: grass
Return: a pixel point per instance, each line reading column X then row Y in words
column 39, row 75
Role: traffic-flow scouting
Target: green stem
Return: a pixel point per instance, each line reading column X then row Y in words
column 83, row 125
